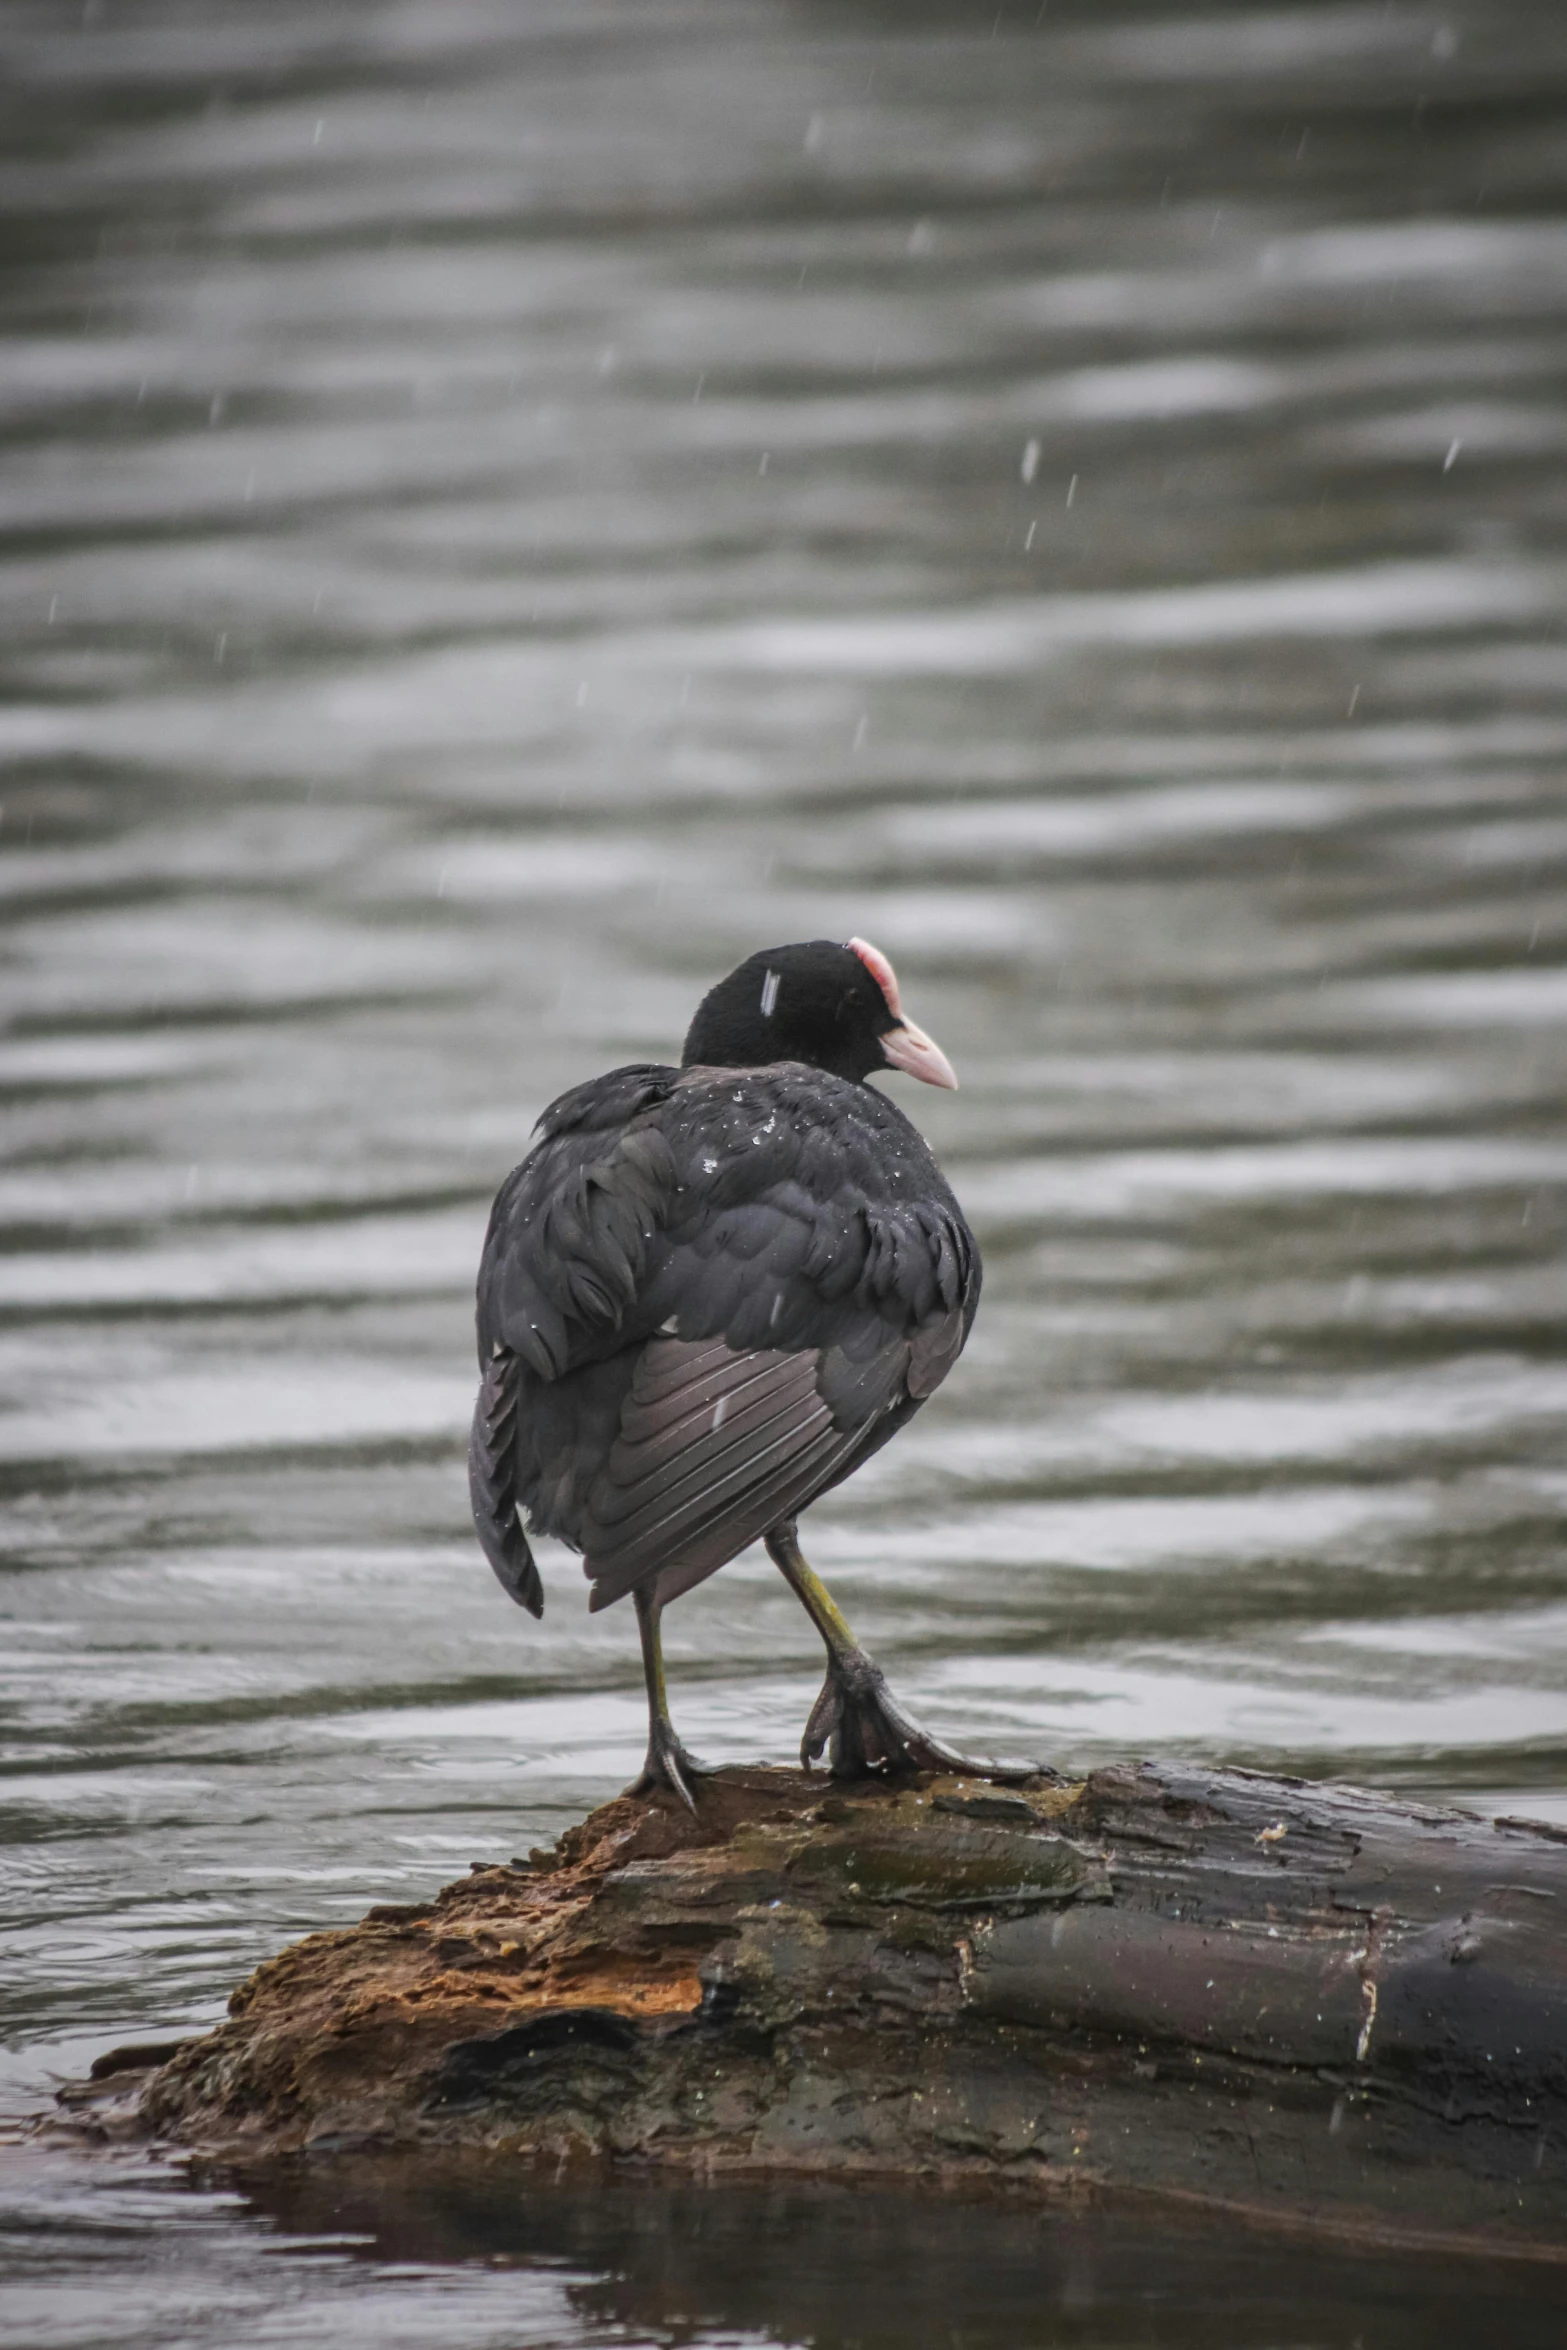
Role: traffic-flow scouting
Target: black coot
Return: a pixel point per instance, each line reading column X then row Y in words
column 707, row 1295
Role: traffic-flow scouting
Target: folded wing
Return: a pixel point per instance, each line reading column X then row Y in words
column 714, row 1447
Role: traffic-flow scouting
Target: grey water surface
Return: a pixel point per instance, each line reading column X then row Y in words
column 511, row 505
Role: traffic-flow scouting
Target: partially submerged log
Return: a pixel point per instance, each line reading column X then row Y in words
column 1306, row 2002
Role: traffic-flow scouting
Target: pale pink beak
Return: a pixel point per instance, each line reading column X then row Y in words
column 905, row 1046
column 910, row 1049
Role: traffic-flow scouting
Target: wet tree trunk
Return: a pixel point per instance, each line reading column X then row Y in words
column 1308, row 2002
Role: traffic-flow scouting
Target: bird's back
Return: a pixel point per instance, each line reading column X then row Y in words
column 711, row 1293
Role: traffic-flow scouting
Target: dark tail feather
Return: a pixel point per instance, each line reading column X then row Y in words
column 492, row 1484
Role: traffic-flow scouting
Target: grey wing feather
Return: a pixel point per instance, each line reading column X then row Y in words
column 715, row 1446
column 492, row 1483
column 932, row 1352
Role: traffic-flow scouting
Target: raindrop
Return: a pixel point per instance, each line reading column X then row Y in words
column 815, row 132
column 922, row 237
column 1028, row 542
column 1030, row 464
column 1451, row 459
column 1071, row 489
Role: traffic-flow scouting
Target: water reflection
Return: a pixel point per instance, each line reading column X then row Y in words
column 512, row 507
column 859, row 2269
column 376, row 2252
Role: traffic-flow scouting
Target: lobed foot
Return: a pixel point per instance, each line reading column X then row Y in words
column 671, row 1765
column 861, row 1726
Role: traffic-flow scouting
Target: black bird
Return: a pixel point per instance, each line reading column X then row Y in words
column 708, row 1294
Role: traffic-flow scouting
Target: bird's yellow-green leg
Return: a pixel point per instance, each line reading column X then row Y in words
column 783, row 1545
column 668, row 1763
column 856, row 1717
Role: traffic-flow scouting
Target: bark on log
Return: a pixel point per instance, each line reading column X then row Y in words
column 1307, row 2002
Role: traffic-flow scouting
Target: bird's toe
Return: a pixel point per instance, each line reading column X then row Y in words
column 859, row 1721
column 670, row 1766
column 822, row 1723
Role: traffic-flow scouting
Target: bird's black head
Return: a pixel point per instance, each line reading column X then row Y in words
column 835, row 1007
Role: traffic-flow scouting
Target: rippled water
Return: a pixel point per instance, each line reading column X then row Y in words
column 511, row 507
